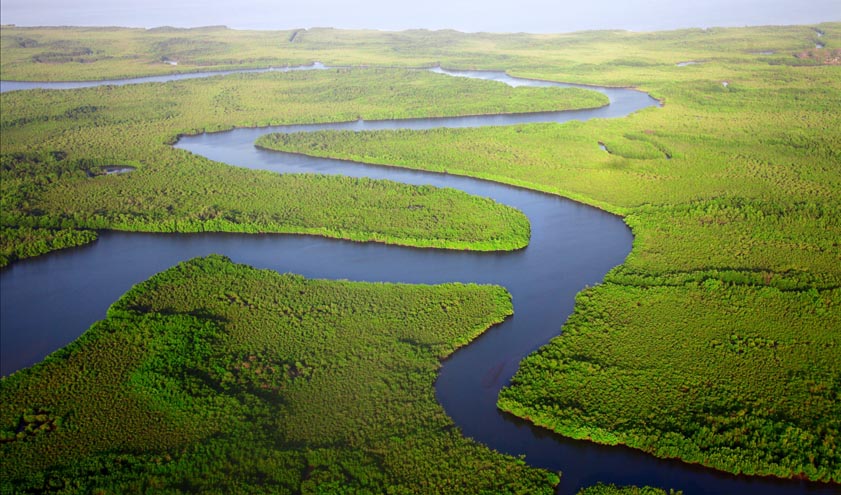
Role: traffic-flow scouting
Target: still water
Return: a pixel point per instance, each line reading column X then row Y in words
column 48, row 301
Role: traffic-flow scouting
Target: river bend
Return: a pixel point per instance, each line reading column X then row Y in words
column 49, row 301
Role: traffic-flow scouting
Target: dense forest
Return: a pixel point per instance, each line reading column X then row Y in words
column 218, row 377
column 602, row 489
column 57, row 144
column 716, row 342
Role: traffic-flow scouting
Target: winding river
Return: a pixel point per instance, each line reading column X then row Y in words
column 50, row 300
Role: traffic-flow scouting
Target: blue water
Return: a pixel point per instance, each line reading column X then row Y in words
column 48, row 301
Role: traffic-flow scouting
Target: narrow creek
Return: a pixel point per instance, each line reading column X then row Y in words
column 49, row 301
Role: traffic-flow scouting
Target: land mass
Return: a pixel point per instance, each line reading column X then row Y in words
column 716, row 342
column 216, row 377
column 57, row 145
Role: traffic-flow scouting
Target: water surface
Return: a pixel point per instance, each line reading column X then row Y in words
column 48, row 301
column 22, row 85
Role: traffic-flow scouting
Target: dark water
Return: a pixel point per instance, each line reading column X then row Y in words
column 47, row 302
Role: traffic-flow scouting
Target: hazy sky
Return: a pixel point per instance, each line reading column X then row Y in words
column 472, row 15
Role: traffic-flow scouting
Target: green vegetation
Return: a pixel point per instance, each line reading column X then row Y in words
column 55, row 54
column 750, row 394
column 602, row 489
column 24, row 242
column 57, row 143
column 718, row 340
column 216, row 377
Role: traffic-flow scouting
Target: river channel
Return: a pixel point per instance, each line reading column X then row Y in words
column 47, row 302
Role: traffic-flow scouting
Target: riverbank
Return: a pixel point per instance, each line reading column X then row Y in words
column 728, row 170
column 172, row 192
column 731, row 217
column 274, row 362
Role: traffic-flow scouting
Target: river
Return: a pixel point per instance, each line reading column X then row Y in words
column 49, row 301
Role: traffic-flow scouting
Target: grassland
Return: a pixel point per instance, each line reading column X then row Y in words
column 56, row 143
column 216, row 377
column 717, row 341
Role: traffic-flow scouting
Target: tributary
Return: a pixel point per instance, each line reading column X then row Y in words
column 49, row 301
